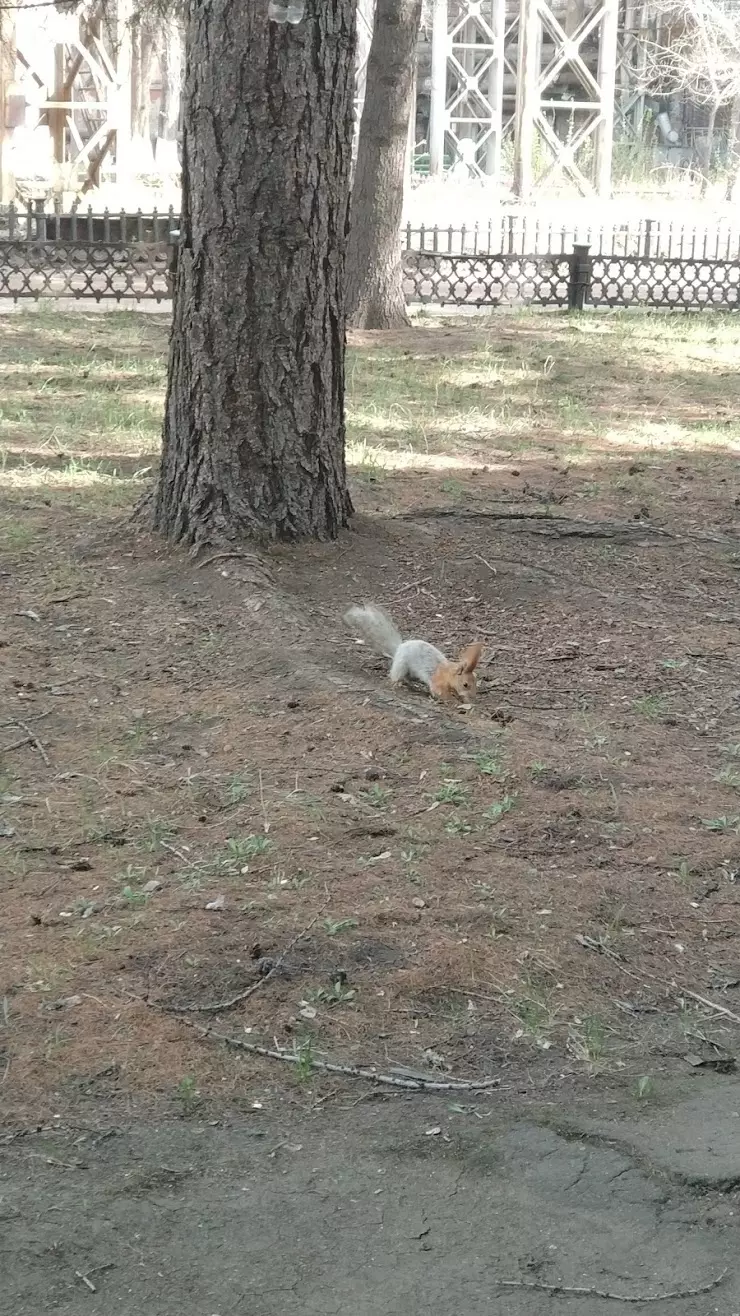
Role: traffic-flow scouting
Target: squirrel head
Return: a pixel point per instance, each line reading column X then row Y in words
column 463, row 671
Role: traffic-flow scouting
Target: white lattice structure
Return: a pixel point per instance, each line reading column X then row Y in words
column 73, row 81
column 467, row 85
column 549, row 55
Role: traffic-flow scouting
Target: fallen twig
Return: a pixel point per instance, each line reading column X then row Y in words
column 486, row 564
column 590, row 1291
column 218, row 1007
column 32, row 717
column 16, row 744
column 350, row 1071
column 589, row 943
column 34, row 740
column 96, row 1270
column 711, row 1005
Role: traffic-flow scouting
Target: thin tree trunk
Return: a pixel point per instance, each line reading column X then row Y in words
column 374, row 278
column 708, row 149
column 170, row 67
column 253, row 441
column 733, row 161
column 142, row 59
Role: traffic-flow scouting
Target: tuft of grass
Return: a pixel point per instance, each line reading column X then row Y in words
column 644, row 1088
column 187, row 1094
column 134, row 896
column 305, row 1059
column 157, row 831
column 489, row 765
column 241, row 849
column 587, row 1040
column 338, row 994
column 458, row 827
column 377, row 796
column 535, row 1016
column 652, row 707
column 682, row 870
column 496, row 811
column 237, row 789
column 725, row 823
column 451, row 792
column 333, row 927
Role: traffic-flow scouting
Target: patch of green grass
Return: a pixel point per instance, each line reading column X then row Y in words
column 16, row 535
column 458, row 827
column 241, row 849
column 725, row 823
column 377, row 796
column 187, row 1094
column 338, row 994
column 497, row 810
column 237, row 789
column 729, row 777
column 682, row 870
column 157, row 832
column 652, row 707
column 489, row 764
column 587, row 1039
column 305, row 1059
column 451, row 792
column 535, row 1015
column 333, row 927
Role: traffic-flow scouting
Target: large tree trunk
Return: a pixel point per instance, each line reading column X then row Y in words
column 253, row 441
column 374, row 285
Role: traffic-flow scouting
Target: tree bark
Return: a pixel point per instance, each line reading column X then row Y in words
column 253, row 441
column 374, row 278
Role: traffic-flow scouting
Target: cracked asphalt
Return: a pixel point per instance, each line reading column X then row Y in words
column 402, row 1206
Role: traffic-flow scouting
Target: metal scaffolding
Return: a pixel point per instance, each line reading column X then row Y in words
column 635, row 30
column 466, row 105
column 548, row 54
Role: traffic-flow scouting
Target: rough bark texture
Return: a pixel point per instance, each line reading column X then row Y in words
column 253, row 441
column 374, row 287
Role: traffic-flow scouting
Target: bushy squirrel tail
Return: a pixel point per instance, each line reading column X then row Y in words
column 375, row 627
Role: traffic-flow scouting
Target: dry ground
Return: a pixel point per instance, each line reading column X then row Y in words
column 198, row 763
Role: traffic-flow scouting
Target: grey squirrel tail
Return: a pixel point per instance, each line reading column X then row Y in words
column 375, row 627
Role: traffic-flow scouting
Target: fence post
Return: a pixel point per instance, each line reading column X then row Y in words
column 40, row 219
column 579, row 283
column 174, row 238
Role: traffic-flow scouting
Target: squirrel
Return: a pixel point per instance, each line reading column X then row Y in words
column 416, row 660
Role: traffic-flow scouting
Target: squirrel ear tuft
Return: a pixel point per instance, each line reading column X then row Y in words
column 470, row 656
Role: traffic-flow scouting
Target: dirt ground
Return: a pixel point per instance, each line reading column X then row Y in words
column 218, row 816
